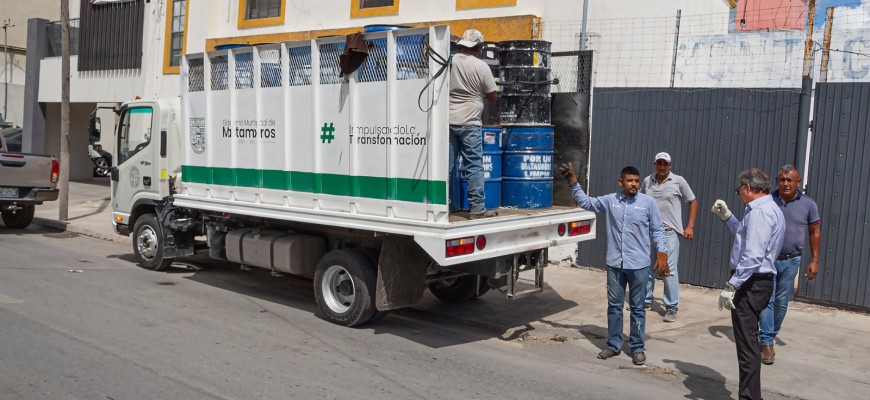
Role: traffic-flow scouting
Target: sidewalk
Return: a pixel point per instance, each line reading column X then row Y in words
column 820, row 353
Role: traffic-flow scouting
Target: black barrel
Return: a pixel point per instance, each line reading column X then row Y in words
column 525, row 78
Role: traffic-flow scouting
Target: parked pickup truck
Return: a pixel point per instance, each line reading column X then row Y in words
column 25, row 181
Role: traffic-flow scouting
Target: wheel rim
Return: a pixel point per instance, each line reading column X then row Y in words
column 146, row 243
column 338, row 289
column 102, row 166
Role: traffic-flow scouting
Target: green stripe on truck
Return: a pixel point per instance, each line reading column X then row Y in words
column 370, row 187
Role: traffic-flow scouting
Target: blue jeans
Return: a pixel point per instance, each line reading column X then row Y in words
column 467, row 141
column 617, row 279
column 671, row 294
column 771, row 317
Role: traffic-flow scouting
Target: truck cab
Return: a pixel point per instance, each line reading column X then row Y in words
column 145, row 160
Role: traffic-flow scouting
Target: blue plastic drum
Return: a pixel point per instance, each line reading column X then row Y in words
column 527, row 167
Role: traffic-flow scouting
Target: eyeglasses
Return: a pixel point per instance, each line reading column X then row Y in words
column 737, row 190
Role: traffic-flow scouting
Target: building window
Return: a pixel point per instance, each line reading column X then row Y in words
column 462, row 4
column 176, row 37
column 371, row 8
column 254, row 13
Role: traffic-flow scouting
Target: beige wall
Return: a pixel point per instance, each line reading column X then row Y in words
column 81, row 167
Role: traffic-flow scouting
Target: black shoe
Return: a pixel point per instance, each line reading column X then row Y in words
column 485, row 214
column 638, row 358
column 607, row 353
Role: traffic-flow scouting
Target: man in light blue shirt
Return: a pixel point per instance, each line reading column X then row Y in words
column 757, row 242
column 632, row 218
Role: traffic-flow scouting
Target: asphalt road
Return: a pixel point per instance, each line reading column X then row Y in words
column 79, row 320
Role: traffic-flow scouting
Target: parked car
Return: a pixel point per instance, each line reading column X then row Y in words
column 26, row 180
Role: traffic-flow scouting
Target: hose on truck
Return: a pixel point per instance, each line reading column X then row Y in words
column 444, row 64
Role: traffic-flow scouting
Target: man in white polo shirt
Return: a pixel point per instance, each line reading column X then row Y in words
column 670, row 191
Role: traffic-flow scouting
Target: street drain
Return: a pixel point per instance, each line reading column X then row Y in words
column 166, row 283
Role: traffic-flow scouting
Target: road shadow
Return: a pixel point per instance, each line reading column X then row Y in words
column 719, row 331
column 491, row 316
column 704, row 383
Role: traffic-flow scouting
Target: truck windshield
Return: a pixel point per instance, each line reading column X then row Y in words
column 134, row 132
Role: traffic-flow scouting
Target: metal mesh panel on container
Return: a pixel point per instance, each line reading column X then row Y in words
column 411, row 57
column 299, row 70
column 330, row 70
column 270, row 68
column 195, row 71
column 374, row 68
column 564, row 68
column 574, row 71
column 244, row 70
column 219, row 73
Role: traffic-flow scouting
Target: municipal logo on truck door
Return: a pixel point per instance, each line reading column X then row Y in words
column 197, row 135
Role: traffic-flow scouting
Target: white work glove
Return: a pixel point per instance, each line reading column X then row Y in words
column 726, row 297
column 721, row 209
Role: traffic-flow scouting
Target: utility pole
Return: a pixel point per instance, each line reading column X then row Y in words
column 7, row 23
column 63, row 206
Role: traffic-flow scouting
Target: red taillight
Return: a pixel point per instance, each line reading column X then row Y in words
column 561, row 229
column 481, row 242
column 458, row 247
column 55, row 171
column 579, row 228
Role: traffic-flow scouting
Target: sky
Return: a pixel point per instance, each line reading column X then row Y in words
column 853, row 14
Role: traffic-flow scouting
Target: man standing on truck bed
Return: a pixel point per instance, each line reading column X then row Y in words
column 669, row 190
column 631, row 218
column 470, row 81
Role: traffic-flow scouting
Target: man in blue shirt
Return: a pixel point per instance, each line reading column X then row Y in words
column 631, row 218
column 757, row 242
column 801, row 213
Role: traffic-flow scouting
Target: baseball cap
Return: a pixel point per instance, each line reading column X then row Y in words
column 471, row 38
column 663, row 156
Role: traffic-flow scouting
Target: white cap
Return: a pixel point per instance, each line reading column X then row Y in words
column 471, row 38
column 663, row 156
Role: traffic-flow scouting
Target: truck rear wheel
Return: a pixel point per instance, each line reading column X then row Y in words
column 20, row 219
column 344, row 287
column 455, row 290
column 148, row 243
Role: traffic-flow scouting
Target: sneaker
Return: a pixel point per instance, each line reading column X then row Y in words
column 485, row 214
column 670, row 316
column 647, row 306
column 607, row 353
column 638, row 358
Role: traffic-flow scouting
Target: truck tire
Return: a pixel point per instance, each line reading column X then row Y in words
column 344, row 287
column 20, row 219
column 148, row 243
column 455, row 290
column 373, row 256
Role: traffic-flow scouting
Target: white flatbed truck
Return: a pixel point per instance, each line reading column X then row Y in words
column 281, row 163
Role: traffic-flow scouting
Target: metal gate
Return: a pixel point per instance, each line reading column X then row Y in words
column 712, row 135
column 838, row 168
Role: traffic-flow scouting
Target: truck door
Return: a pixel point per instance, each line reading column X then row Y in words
column 134, row 177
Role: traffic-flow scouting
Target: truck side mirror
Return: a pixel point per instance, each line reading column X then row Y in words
column 94, row 128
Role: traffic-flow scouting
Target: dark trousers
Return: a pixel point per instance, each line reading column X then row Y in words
column 749, row 300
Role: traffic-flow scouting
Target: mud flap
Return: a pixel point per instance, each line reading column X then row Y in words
column 401, row 273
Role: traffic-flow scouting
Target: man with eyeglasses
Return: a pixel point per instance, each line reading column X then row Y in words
column 801, row 213
column 758, row 239
column 670, row 191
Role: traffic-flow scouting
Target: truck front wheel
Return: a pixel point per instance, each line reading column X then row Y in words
column 20, row 219
column 344, row 287
column 148, row 243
